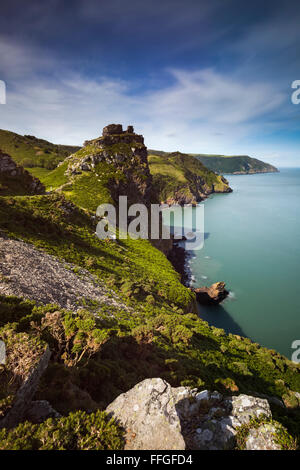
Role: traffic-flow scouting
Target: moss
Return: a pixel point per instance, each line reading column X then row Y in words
column 281, row 435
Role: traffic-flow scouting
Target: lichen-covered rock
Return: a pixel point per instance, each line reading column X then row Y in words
column 216, row 424
column 263, row 438
column 159, row 417
column 148, row 414
column 244, row 407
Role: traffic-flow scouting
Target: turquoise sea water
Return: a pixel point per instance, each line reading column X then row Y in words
column 252, row 242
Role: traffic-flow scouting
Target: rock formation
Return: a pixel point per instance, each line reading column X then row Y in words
column 23, row 397
column 159, row 417
column 15, row 175
column 214, row 294
column 182, row 179
column 126, row 152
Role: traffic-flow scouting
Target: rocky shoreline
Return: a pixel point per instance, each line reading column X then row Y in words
column 179, row 258
column 207, row 295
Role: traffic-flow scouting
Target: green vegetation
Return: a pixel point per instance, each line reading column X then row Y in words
column 55, row 178
column 23, row 352
column 69, row 233
column 77, row 431
column 95, row 357
column 32, row 152
column 226, row 164
column 39, row 172
column 179, row 175
column 235, row 164
column 281, row 436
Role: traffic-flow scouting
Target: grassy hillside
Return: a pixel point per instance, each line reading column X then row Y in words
column 97, row 357
column 179, row 178
column 227, row 164
column 236, row 164
column 32, row 152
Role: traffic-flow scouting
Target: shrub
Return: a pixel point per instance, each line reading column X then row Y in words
column 77, row 431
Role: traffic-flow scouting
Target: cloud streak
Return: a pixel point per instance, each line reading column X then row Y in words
column 194, row 111
column 232, row 106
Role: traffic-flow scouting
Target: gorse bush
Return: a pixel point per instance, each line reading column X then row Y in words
column 104, row 350
column 77, row 431
column 69, row 233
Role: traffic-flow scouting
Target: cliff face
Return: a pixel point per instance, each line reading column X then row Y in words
column 107, row 167
column 237, row 165
column 14, row 179
column 182, row 179
column 132, row 325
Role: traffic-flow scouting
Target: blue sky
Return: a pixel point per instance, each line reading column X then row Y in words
column 205, row 76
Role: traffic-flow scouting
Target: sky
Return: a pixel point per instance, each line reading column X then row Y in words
column 199, row 76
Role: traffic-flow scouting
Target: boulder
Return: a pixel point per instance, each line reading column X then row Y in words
column 218, row 419
column 148, row 414
column 158, row 417
column 262, row 438
column 214, row 294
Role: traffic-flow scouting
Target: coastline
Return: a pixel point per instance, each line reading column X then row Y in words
column 179, row 257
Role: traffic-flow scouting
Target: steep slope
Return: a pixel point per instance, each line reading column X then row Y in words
column 223, row 164
column 15, row 180
column 178, row 178
column 237, row 165
column 32, row 152
column 112, row 165
column 104, row 349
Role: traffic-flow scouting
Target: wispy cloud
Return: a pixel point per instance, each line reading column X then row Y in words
column 217, row 109
column 197, row 109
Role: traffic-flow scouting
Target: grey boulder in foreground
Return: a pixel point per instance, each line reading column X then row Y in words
column 159, row 417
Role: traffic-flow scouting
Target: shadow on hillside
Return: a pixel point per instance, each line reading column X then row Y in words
column 124, row 361
column 216, row 315
column 223, row 437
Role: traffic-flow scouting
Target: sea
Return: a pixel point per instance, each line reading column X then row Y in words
column 252, row 242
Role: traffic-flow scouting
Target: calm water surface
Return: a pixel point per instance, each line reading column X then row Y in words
column 252, row 242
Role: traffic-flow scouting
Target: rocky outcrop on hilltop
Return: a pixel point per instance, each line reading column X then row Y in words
column 214, row 294
column 14, row 179
column 113, row 165
column 126, row 153
column 159, row 417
